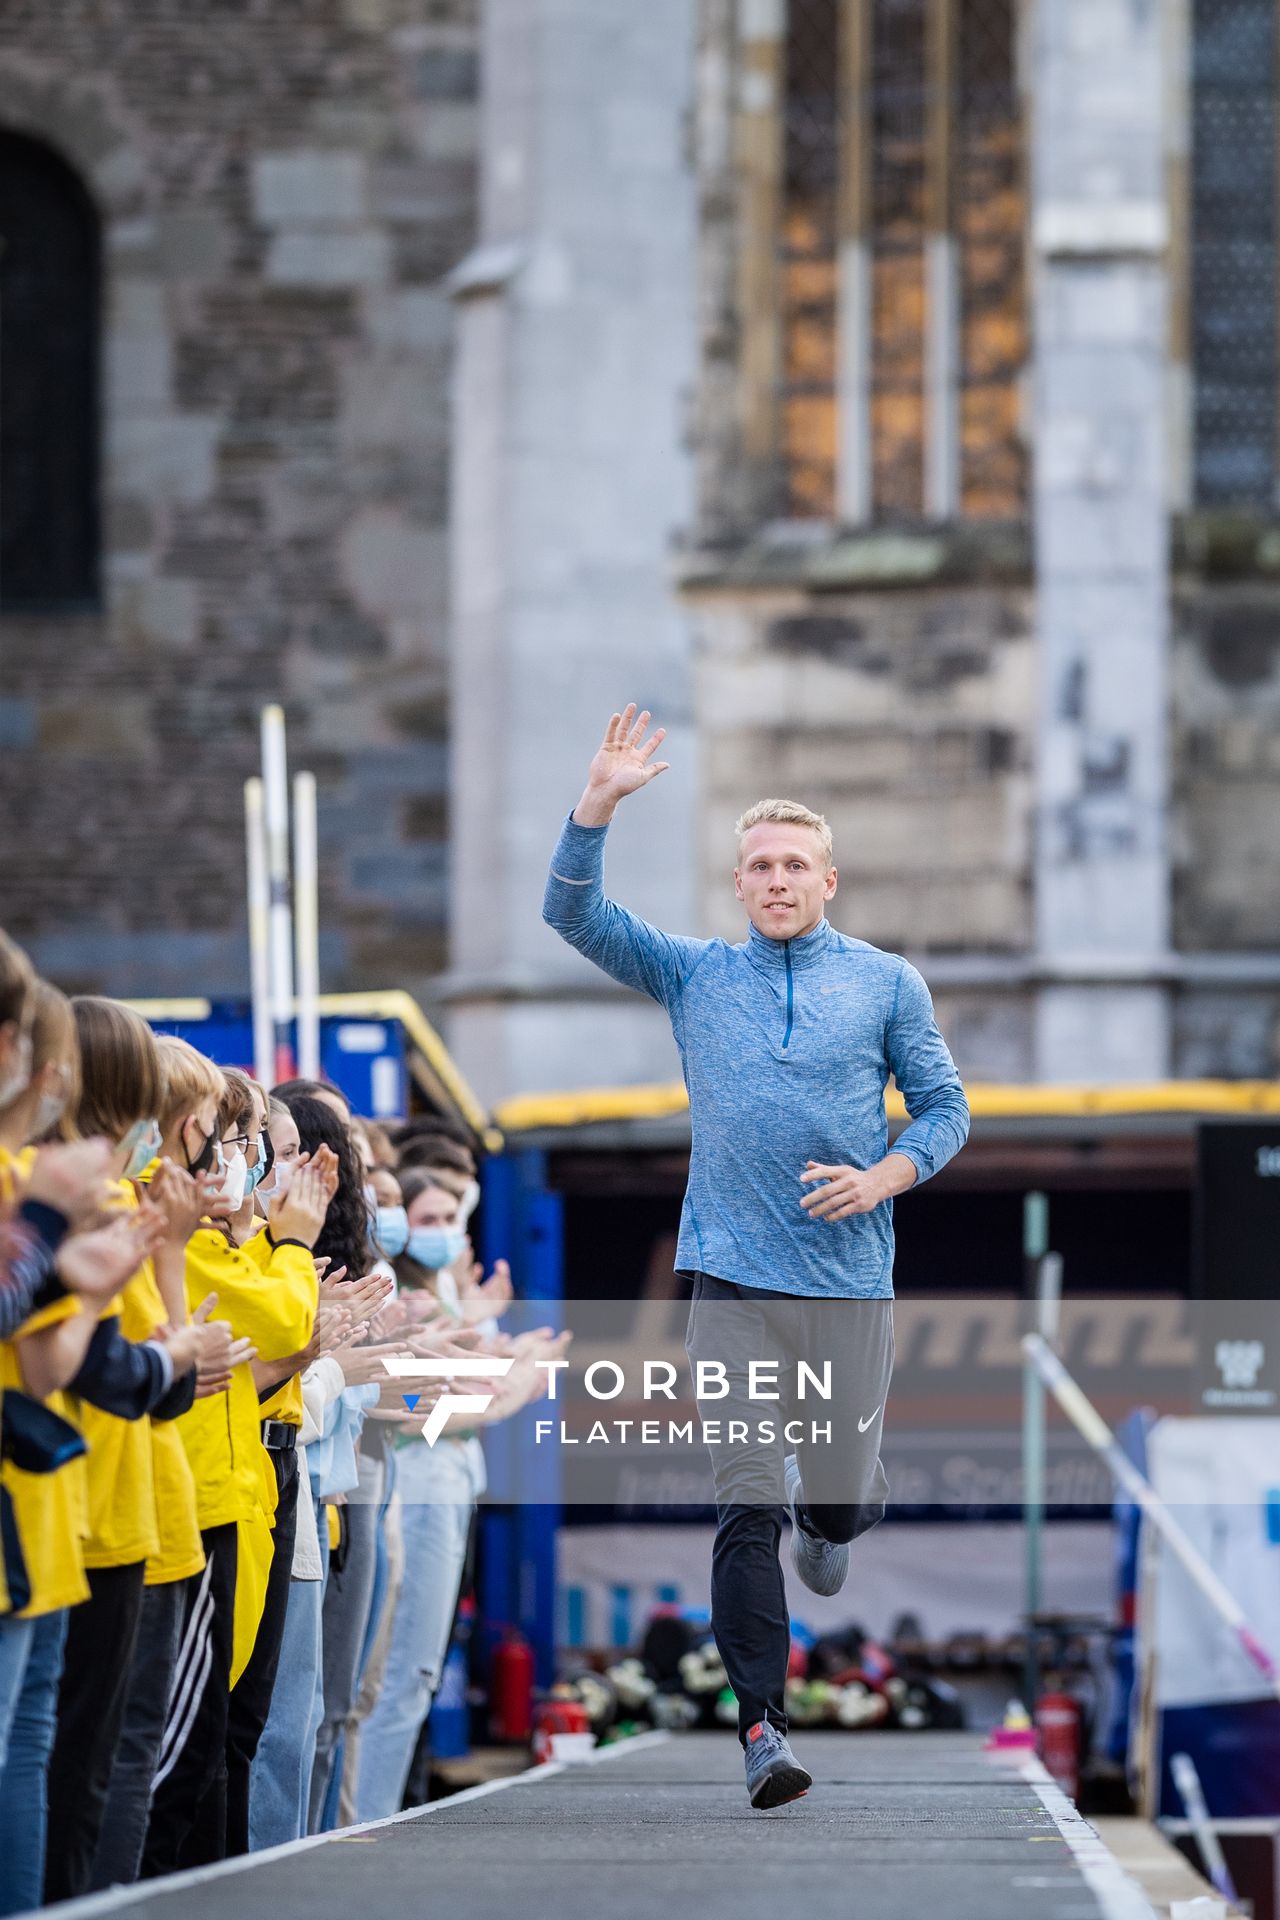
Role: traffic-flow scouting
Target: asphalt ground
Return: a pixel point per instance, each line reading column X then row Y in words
column 897, row 1827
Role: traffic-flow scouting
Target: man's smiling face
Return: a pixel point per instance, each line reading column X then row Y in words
column 783, row 880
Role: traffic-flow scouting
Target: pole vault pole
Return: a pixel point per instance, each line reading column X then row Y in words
column 306, row 916
column 275, row 780
column 259, row 931
column 1191, row 1794
column 1035, row 1246
column 1089, row 1422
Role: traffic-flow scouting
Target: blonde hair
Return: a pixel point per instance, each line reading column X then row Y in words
column 119, row 1068
column 187, row 1077
column 54, row 1040
column 237, row 1106
column 786, row 813
column 384, row 1154
column 17, row 977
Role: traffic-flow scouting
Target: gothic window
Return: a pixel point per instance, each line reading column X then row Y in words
column 901, row 280
column 810, row 167
column 990, row 222
column 49, row 324
column 899, row 189
column 1233, row 252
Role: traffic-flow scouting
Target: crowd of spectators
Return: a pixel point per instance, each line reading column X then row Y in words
column 231, row 1559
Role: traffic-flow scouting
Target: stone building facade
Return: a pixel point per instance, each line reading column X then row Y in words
column 278, row 190
column 974, row 544
column 577, row 372
column 983, row 561
column 883, row 391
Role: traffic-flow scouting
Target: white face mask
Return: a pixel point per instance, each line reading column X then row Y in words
column 469, row 1202
column 48, row 1113
column 52, row 1103
column 19, row 1075
column 282, row 1178
column 232, row 1193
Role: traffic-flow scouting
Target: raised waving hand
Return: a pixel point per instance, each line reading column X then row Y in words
column 623, row 764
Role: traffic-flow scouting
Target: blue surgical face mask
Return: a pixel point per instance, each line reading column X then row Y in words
column 255, row 1175
column 390, row 1233
column 143, row 1142
column 436, row 1247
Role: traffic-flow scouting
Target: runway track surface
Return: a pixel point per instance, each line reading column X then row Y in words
column 897, row 1827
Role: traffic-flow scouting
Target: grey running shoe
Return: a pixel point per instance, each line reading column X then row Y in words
column 823, row 1565
column 774, row 1775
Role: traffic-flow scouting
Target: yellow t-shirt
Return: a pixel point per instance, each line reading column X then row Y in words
column 254, row 1552
column 285, row 1403
column 271, row 1302
column 180, row 1552
column 48, row 1508
column 121, row 1486
column 122, row 1498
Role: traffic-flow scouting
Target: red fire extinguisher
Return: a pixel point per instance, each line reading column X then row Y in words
column 1058, row 1725
column 511, row 1688
column 556, row 1716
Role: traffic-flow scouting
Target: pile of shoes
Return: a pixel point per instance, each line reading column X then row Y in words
column 927, row 1702
column 594, row 1692
column 675, row 1711
column 678, row 1679
column 633, row 1686
column 845, row 1679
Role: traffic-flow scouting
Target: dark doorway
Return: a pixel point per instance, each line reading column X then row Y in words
column 50, row 281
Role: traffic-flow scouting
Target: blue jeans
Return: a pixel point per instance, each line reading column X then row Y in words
column 381, row 1566
column 347, row 1602
column 280, row 1778
column 15, row 1645
column 437, row 1486
column 24, row 1800
column 339, row 1799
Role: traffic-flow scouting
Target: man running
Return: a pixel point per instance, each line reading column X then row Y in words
column 787, row 1042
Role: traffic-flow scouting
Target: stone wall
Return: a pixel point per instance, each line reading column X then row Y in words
column 571, row 484
column 906, row 718
column 1226, row 810
column 1226, row 666
column 1100, row 258
column 283, row 188
column 896, row 677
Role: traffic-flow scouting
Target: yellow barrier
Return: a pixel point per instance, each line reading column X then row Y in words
column 527, row 1112
column 986, row 1102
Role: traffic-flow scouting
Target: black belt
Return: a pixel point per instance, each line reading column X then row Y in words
column 279, row 1436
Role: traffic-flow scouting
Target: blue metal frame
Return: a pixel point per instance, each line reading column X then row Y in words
column 366, row 1058
column 523, row 1222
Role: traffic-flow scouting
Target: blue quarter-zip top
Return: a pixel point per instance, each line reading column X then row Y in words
column 762, row 1113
